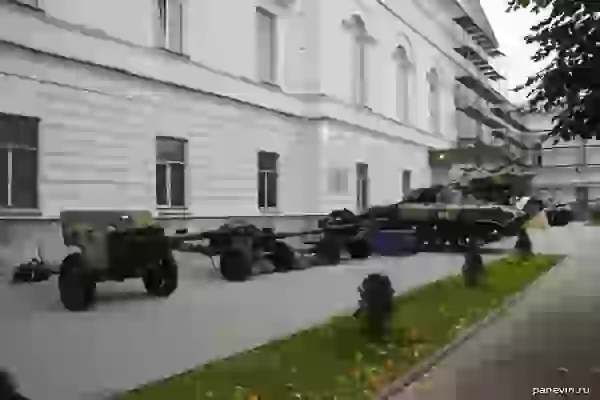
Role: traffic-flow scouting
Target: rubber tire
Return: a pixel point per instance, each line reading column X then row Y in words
column 283, row 257
column 76, row 286
column 329, row 250
column 359, row 249
column 235, row 264
column 162, row 281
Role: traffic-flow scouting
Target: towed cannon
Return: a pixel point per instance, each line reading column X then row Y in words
column 245, row 250
column 111, row 245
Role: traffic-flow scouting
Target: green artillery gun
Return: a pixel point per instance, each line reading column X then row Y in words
column 113, row 246
column 244, row 249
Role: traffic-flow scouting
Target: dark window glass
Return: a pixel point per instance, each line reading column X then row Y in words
column 169, row 149
column 161, row 184
column 261, row 189
column 267, row 161
column 3, row 177
column 406, row 182
column 24, row 179
column 18, row 130
column 177, row 185
column 272, row 190
column 27, row 129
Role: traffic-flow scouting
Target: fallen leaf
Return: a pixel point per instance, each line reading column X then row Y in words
column 358, row 356
column 374, row 381
column 413, row 334
column 389, row 364
column 253, row 397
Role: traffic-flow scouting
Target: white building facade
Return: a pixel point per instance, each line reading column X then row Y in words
column 277, row 111
column 566, row 171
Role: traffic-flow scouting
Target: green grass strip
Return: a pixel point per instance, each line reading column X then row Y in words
column 335, row 360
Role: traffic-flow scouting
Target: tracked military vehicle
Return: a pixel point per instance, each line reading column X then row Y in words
column 449, row 215
column 113, row 246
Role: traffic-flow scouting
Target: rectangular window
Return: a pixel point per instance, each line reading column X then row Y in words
column 338, row 180
column 402, row 92
column 360, row 71
column 171, row 15
column 268, row 177
column 18, row 161
column 170, row 172
column 266, row 46
column 406, row 182
column 362, row 186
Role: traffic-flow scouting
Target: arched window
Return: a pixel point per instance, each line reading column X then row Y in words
column 403, row 71
column 434, row 101
column 359, row 74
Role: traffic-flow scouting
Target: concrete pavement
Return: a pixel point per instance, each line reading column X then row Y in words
column 131, row 339
column 550, row 339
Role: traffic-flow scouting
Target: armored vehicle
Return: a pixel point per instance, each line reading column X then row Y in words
column 113, row 246
column 449, row 215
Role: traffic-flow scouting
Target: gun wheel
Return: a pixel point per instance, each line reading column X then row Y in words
column 76, row 286
column 236, row 264
column 162, row 280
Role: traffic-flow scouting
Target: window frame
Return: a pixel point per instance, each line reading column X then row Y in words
column 164, row 9
column 434, row 100
column 273, row 62
column 168, row 173
column 262, row 179
column 403, row 79
column 339, row 181
column 360, row 75
column 406, row 183
column 363, row 189
column 10, row 147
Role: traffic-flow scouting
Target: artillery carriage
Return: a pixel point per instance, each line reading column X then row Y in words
column 113, row 246
column 243, row 248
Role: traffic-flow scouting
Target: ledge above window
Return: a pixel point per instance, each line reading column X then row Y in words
column 33, row 5
column 166, row 211
column 9, row 213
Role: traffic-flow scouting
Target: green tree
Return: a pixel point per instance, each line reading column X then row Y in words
column 568, row 38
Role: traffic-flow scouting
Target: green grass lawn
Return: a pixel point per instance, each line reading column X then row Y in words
column 334, row 359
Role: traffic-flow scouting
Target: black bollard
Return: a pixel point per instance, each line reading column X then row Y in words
column 472, row 269
column 375, row 306
column 523, row 246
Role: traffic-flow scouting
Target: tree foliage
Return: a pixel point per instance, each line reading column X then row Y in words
column 568, row 38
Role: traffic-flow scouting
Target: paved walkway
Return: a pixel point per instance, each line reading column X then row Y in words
column 131, row 339
column 549, row 339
